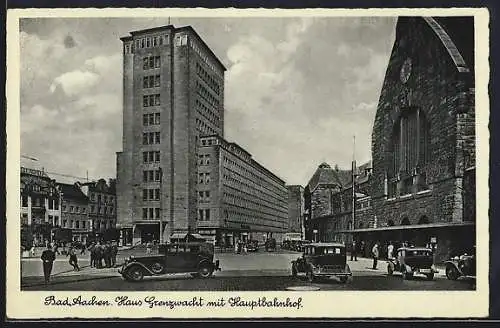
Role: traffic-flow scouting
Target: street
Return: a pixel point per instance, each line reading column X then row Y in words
column 251, row 272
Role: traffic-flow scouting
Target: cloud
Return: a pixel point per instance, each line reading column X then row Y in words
column 75, row 82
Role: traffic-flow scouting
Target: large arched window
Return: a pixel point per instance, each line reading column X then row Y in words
column 408, row 152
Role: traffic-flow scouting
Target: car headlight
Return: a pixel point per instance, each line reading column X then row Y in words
column 456, row 258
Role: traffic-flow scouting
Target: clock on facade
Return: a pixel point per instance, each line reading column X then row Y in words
column 405, row 70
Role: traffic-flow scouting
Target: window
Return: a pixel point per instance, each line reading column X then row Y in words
column 78, row 224
column 71, row 209
column 145, row 176
column 157, row 194
column 64, row 223
column 145, row 213
column 151, row 62
column 157, row 213
column 207, row 214
column 24, row 201
column 151, row 212
column 83, row 224
column 200, row 215
column 56, row 204
column 92, row 209
column 409, row 152
column 157, row 175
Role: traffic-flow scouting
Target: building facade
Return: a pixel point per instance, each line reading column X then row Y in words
column 74, row 211
column 101, row 206
column 296, row 209
column 238, row 199
column 423, row 140
column 173, row 89
column 40, row 205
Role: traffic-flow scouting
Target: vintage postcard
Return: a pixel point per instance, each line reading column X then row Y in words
column 247, row 163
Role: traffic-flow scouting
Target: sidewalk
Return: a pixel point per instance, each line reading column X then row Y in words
column 366, row 264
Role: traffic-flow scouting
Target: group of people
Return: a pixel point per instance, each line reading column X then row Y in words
column 106, row 252
column 375, row 253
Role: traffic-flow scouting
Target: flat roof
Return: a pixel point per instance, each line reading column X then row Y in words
column 175, row 30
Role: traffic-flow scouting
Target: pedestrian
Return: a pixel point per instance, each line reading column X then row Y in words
column 354, row 251
column 83, row 248
column 375, row 255
column 107, row 255
column 390, row 250
column 98, row 255
column 32, row 251
column 114, row 252
column 236, row 247
column 73, row 260
column 245, row 248
column 48, row 257
column 148, row 247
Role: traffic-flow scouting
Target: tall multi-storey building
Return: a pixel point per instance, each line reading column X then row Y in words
column 238, row 199
column 173, row 92
column 296, row 209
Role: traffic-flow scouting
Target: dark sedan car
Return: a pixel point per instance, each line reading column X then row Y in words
column 322, row 260
column 184, row 257
column 412, row 260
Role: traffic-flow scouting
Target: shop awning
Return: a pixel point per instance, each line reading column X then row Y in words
column 412, row 227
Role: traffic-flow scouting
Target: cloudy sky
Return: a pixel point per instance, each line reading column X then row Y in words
column 297, row 89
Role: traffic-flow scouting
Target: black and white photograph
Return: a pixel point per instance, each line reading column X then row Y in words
column 276, row 160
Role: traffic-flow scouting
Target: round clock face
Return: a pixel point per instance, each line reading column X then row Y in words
column 405, row 70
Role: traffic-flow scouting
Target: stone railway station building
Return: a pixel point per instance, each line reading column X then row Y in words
column 422, row 184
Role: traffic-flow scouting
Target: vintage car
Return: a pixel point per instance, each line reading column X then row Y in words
column 182, row 257
column 461, row 266
column 270, row 245
column 253, row 245
column 412, row 260
column 322, row 260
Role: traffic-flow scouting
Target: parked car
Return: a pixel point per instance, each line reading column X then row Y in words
column 185, row 257
column 461, row 266
column 270, row 244
column 322, row 260
column 412, row 260
column 253, row 245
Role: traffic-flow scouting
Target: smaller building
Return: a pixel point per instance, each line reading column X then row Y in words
column 296, row 209
column 40, row 210
column 75, row 212
column 101, row 204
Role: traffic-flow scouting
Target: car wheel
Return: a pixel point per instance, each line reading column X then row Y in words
column 452, row 273
column 310, row 276
column 294, row 271
column 343, row 279
column 430, row 276
column 390, row 270
column 205, row 271
column 135, row 273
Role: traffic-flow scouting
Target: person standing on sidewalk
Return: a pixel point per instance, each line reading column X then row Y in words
column 354, row 251
column 73, row 260
column 375, row 254
column 148, row 247
column 390, row 250
column 114, row 252
column 48, row 257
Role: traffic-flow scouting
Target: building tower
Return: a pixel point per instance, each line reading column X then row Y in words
column 173, row 92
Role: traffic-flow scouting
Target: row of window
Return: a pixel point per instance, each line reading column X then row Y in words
column 203, row 56
column 150, row 138
column 74, row 209
column 251, row 204
column 151, row 175
column 204, row 214
column 151, row 119
column 102, row 198
column 102, row 210
column 207, row 113
column 151, row 81
column 207, row 78
column 250, row 175
column 209, row 141
column 150, row 213
column 204, row 128
column 151, row 62
column 245, row 218
column 151, row 194
column 204, row 196
column 207, row 95
column 203, row 159
column 263, row 199
column 151, row 156
column 53, row 203
column 152, row 41
column 203, row 178
column 151, row 100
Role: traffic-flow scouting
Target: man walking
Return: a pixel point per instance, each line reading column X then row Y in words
column 48, row 257
column 73, row 260
column 390, row 250
column 375, row 254
column 114, row 252
column 354, row 251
